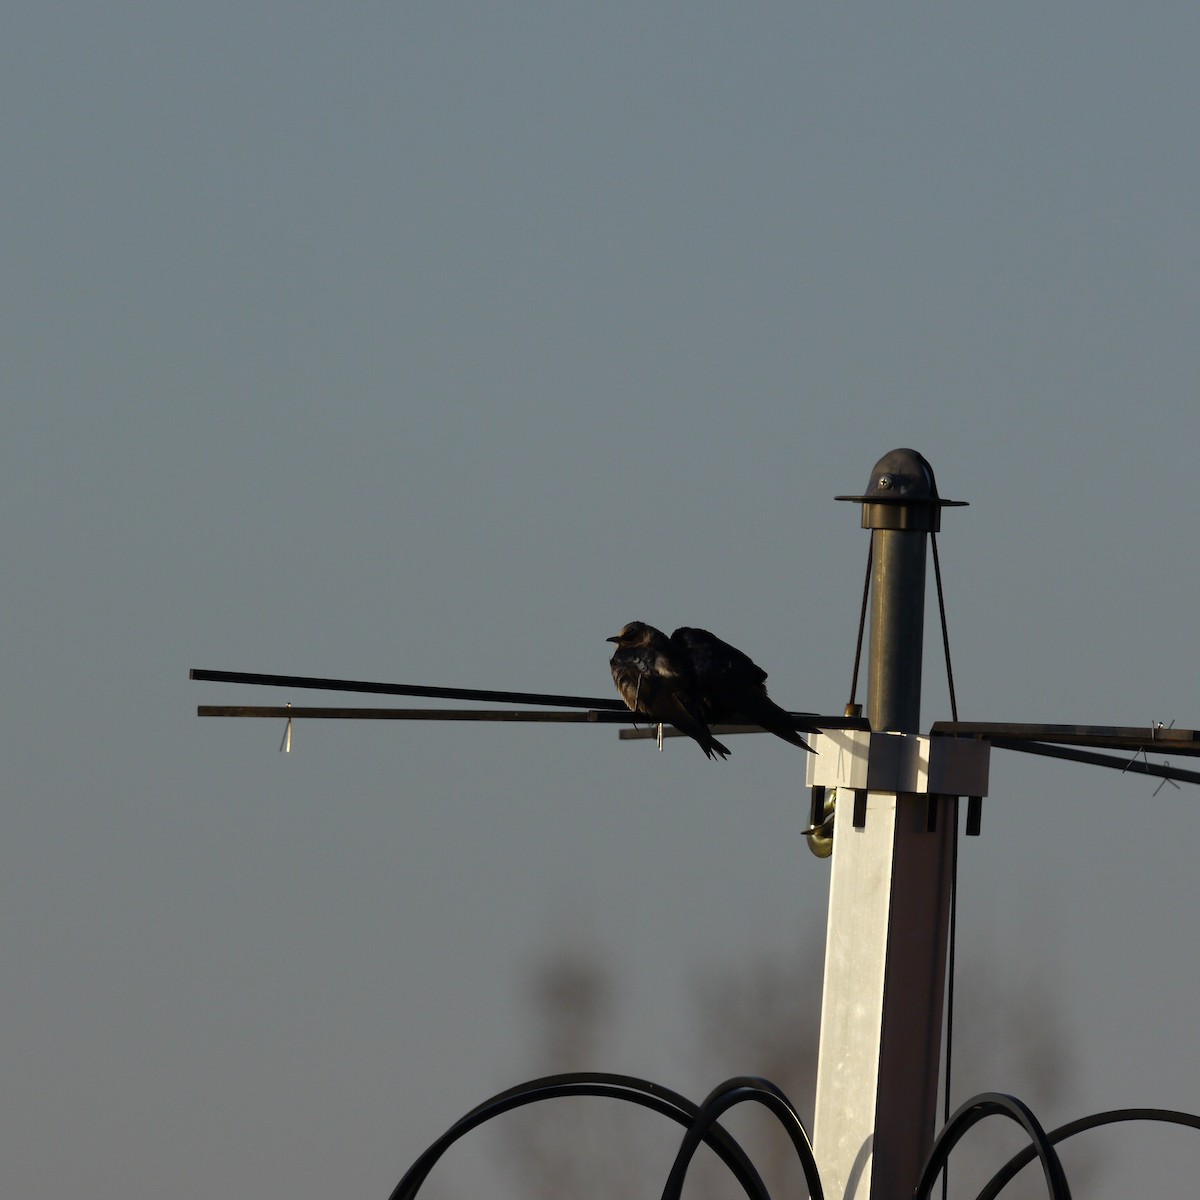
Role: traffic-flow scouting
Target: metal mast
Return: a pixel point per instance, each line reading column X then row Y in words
column 890, row 890
column 889, row 900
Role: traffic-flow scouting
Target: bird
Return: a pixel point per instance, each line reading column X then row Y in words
column 693, row 680
column 731, row 686
column 654, row 676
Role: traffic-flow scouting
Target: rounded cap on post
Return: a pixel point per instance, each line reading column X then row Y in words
column 902, row 494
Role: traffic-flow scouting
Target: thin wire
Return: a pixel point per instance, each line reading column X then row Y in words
column 953, row 932
column 937, row 571
column 862, row 621
column 950, row 970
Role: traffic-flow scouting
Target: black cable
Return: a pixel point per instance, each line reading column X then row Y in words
column 725, row 1096
column 990, row 1104
column 1133, row 766
column 407, row 689
column 620, row 1087
column 1010, row 1169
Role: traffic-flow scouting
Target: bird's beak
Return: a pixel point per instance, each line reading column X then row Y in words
column 613, row 639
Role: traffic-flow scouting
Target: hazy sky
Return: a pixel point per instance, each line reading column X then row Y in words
column 432, row 343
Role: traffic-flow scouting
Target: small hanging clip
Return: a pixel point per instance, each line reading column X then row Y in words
column 285, row 746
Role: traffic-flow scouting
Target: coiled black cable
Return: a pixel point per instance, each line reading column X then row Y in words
column 619, row 1087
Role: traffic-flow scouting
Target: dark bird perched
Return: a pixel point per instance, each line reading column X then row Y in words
column 693, row 680
column 732, row 687
column 654, row 677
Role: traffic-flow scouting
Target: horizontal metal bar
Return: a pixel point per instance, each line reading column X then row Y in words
column 644, row 731
column 1115, row 737
column 1135, row 766
column 1112, row 737
column 591, row 717
column 406, row 689
column 811, row 721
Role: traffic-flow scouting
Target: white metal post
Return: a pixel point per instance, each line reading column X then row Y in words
column 881, row 1021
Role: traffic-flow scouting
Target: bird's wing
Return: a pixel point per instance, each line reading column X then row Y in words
column 732, row 685
column 715, row 662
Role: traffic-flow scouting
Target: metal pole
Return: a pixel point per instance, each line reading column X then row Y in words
column 897, row 630
column 877, row 1078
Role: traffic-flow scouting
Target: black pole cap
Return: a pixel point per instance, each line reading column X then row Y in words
column 902, row 494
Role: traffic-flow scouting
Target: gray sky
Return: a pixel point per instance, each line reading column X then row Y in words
column 434, row 342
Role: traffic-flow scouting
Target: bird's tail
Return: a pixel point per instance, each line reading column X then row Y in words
column 764, row 712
